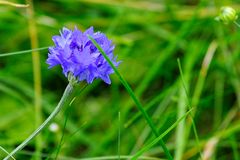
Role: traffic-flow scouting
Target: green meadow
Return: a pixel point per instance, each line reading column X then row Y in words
column 175, row 94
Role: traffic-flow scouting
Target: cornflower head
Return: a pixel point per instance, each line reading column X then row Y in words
column 80, row 60
column 79, row 57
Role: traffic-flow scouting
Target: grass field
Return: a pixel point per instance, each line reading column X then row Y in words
column 182, row 66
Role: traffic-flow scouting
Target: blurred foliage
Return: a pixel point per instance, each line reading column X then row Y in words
column 149, row 36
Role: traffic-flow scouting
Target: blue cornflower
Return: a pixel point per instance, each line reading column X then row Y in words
column 78, row 56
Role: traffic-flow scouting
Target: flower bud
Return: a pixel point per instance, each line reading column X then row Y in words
column 227, row 15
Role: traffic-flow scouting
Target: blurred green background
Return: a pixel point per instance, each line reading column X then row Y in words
column 150, row 35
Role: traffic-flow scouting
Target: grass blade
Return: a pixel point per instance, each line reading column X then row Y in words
column 37, row 78
column 119, row 135
column 139, row 153
column 189, row 107
column 22, row 52
column 4, row 150
column 135, row 99
column 14, row 4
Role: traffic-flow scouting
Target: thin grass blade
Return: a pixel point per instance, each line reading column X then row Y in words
column 135, row 99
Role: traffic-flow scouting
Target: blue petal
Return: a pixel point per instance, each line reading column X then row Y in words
column 75, row 52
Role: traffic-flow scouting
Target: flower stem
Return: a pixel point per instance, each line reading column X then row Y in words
column 66, row 95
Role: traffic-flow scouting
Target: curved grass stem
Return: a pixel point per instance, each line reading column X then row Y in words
column 66, row 95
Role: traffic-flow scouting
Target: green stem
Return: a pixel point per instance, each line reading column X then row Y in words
column 135, row 99
column 36, row 75
column 66, row 95
column 23, row 52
